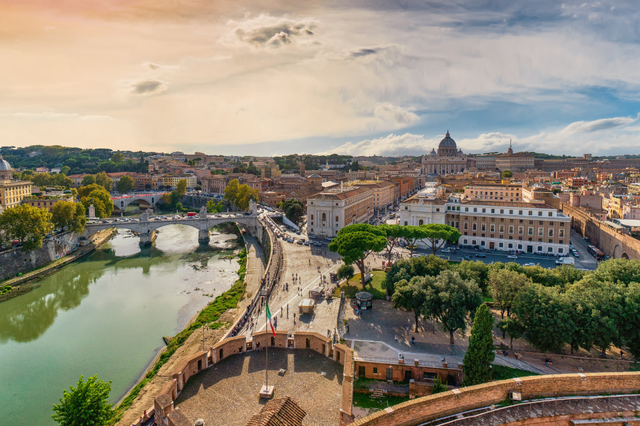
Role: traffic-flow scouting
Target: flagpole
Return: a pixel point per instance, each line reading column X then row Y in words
column 266, row 344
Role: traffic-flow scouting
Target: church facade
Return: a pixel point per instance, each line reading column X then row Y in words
column 447, row 160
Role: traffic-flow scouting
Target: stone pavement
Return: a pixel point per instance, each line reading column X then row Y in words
column 309, row 263
column 374, row 336
column 227, row 393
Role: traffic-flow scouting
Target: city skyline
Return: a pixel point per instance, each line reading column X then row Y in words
column 322, row 77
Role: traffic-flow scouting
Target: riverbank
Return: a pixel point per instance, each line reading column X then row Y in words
column 218, row 316
column 19, row 285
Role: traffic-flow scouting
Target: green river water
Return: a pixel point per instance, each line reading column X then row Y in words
column 104, row 315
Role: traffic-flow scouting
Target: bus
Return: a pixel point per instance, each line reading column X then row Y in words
column 595, row 252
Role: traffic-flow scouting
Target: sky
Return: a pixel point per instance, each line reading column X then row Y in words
column 359, row 77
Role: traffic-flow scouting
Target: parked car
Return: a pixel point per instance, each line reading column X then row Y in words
column 529, row 264
column 481, row 255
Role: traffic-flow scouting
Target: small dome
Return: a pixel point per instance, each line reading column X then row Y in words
column 4, row 165
column 432, row 153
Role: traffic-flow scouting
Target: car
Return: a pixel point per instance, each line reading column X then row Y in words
column 529, row 264
column 576, row 254
column 512, row 256
column 445, row 250
column 299, row 242
column 317, row 244
column 481, row 255
column 559, row 262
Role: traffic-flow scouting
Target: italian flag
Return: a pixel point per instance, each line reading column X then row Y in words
column 273, row 330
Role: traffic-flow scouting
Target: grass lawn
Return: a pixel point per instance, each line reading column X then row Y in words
column 364, row 401
column 375, row 286
column 500, row 372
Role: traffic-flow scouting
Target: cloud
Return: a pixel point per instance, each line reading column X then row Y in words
column 148, row 87
column 267, row 31
column 596, row 125
column 395, row 114
column 407, row 144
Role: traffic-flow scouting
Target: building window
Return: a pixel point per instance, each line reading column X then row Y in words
column 501, row 211
column 484, row 227
column 492, row 228
column 466, row 209
column 475, row 210
column 475, row 227
column 530, row 213
column 375, row 370
column 539, row 248
column 561, row 233
column 530, row 231
column 510, row 211
column 511, row 229
column 520, row 230
column 560, row 250
column 484, row 210
column 421, row 222
column 466, row 226
column 551, row 232
column 539, row 213
column 405, row 223
column 550, row 214
column 336, row 218
column 464, row 241
column 510, row 245
column 473, row 242
column 324, row 217
column 520, row 212
column 540, row 232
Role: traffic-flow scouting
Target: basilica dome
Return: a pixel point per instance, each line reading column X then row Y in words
column 447, row 146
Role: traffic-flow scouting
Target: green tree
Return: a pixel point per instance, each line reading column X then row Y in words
column 412, row 295
column 545, row 316
column 355, row 242
column 219, row 206
column 26, row 224
column 437, row 234
column 614, row 270
column 629, row 318
column 105, row 181
column 65, row 170
column 63, row 214
column 438, row 387
column 345, row 272
column 394, row 234
column 474, row 270
column 507, row 174
column 406, row 269
column 511, row 326
column 86, row 404
column 100, row 199
column 88, row 180
column 413, row 234
column 179, row 206
column 450, row 300
column 244, row 195
column 293, row 209
column 231, row 191
column 79, row 220
column 182, row 187
column 505, row 285
column 118, row 157
column 84, row 191
column 211, row 207
column 125, row 184
column 480, row 353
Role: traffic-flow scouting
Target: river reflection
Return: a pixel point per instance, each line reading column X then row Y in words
column 103, row 315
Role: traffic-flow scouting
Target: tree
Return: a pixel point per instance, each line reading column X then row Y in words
column 182, row 187
column 511, row 326
column 413, row 234
column 438, row 387
column 450, row 300
column 26, row 224
column 211, row 206
column 437, row 234
column 629, row 319
column 125, row 184
column 179, row 206
column 293, row 209
column 355, row 242
column 105, row 181
column 88, row 180
column 65, row 170
column 507, row 174
column 100, row 199
column 545, row 316
column 505, row 285
column 614, row 270
column 86, row 404
column 411, row 295
column 118, row 157
column 231, row 191
column 474, row 270
column 345, row 272
column 406, row 269
column 63, row 213
column 480, row 354
column 394, row 234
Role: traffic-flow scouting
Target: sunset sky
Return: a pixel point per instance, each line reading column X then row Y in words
column 360, row 77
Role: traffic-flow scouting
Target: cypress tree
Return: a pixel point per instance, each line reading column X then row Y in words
column 480, row 354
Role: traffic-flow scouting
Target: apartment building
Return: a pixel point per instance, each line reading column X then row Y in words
column 383, row 192
column 488, row 191
column 46, row 201
column 328, row 212
column 528, row 227
column 12, row 192
column 501, row 225
column 172, row 181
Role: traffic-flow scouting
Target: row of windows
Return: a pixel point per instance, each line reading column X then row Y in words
column 502, row 211
column 492, row 228
column 511, row 246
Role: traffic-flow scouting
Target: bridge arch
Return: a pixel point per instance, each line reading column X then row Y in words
column 617, row 252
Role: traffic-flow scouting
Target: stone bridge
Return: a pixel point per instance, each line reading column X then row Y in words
column 147, row 224
column 150, row 198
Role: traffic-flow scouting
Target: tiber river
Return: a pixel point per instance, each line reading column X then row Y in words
column 104, row 315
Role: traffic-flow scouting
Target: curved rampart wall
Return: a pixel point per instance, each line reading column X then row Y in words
column 458, row 400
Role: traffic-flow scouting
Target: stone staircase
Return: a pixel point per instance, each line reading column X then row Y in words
column 377, row 393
